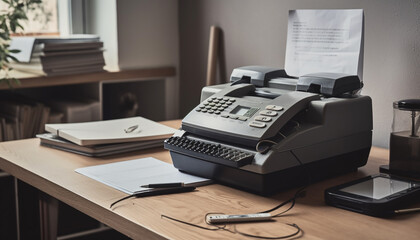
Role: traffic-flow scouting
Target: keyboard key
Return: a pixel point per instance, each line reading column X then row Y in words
column 209, row 151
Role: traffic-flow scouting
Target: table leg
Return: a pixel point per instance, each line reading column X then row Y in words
column 48, row 212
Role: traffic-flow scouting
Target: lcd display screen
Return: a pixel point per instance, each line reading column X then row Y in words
column 378, row 187
column 240, row 110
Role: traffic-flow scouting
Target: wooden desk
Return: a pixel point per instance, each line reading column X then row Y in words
column 52, row 171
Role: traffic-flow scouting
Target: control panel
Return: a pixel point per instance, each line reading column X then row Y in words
column 247, row 118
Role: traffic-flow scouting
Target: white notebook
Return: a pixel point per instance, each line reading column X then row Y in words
column 111, row 131
column 128, row 176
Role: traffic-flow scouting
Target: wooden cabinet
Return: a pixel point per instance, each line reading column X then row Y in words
column 138, row 92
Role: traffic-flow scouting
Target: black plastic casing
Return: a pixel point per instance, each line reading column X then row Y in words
column 384, row 207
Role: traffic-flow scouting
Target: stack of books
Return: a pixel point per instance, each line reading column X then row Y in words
column 60, row 55
column 103, row 138
column 22, row 118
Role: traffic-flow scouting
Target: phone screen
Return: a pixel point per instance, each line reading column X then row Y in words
column 378, row 187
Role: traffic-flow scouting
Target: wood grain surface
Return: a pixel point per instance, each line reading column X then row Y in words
column 52, row 171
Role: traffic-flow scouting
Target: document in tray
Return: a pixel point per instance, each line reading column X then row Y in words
column 128, row 176
column 325, row 41
column 111, row 131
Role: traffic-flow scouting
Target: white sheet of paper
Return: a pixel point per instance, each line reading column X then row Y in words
column 325, row 41
column 25, row 45
column 128, row 176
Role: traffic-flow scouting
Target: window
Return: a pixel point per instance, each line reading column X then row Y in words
column 53, row 17
column 42, row 19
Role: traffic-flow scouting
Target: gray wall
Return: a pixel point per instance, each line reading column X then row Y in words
column 139, row 34
column 255, row 34
column 148, row 37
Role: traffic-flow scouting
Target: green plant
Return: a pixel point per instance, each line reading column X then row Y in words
column 11, row 13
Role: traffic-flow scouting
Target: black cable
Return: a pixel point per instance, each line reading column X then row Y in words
column 191, row 224
column 121, row 199
column 298, row 230
column 308, row 173
column 299, row 193
column 291, row 200
column 160, row 191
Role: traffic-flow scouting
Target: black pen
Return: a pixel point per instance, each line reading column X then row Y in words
column 163, row 191
column 164, row 185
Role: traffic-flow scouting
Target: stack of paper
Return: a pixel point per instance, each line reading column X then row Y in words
column 101, row 138
column 58, row 55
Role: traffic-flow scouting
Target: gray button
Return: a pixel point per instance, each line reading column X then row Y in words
column 220, row 109
column 217, row 112
column 263, row 118
column 233, row 116
column 268, row 113
column 218, row 105
column 243, row 118
column 257, row 124
column 229, row 103
column 232, row 100
column 212, row 104
column 215, row 101
column 206, row 103
column 204, row 110
column 222, row 101
column 202, row 106
column 225, row 105
column 214, row 108
column 225, row 98
column 208, row 107
column 274, row 107
column 210, row 111
column 198, row 110
column 224, row 115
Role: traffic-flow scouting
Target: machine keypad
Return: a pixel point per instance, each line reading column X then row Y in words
column 215, row 105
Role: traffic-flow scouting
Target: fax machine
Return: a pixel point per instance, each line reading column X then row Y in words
column 266, row 131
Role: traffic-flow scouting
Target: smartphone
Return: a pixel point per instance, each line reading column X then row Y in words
column 377, row 195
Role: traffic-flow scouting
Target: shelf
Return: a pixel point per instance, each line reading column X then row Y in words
column 31, row 81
